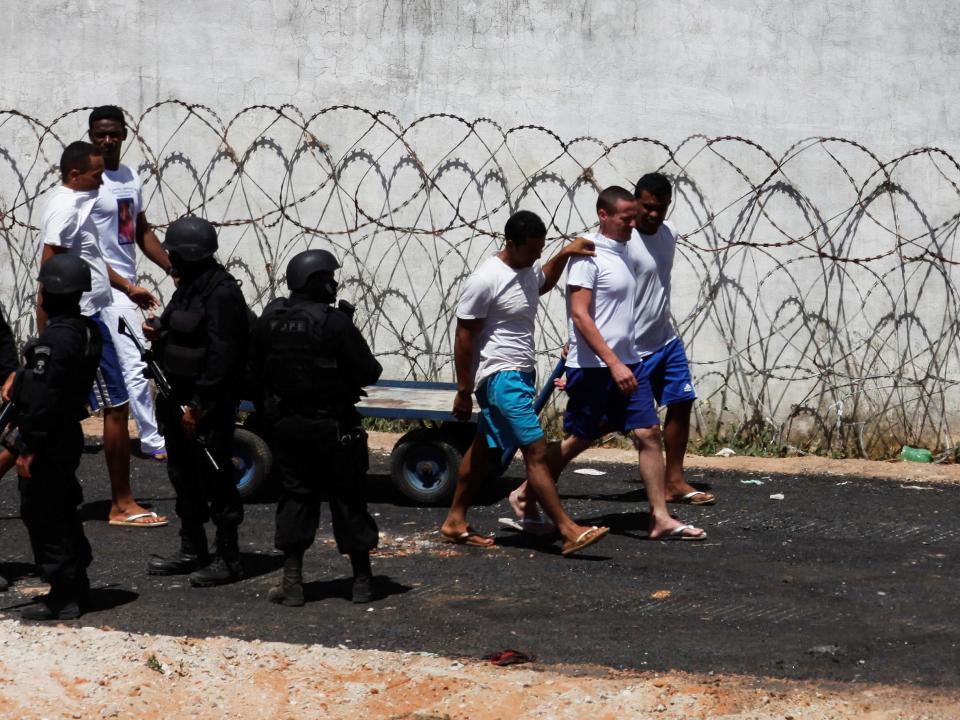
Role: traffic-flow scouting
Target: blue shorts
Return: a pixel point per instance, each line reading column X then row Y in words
column 109, row 389
column 594, row 401
column 507, row 417
column 668, row 374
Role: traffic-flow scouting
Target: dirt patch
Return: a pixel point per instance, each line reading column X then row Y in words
column 807, row 465
column 83, row 672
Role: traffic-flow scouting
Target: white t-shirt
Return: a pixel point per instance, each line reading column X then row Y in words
column 67, row 223
column 650, row 258
column 115, row 214
column 507, row 300
column 611, row 307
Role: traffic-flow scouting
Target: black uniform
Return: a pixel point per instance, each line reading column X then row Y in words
column 8, row 350
column 310, row 363
column 8, row 363
column 51, row 393
column 202, row 346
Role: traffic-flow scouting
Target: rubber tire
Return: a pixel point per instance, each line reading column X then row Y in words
column 252, row 461
column 416, row 451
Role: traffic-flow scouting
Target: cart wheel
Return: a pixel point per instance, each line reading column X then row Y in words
column 252, row 461
column 424, row 468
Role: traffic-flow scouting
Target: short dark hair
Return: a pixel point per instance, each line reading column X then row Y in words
column 609, row 197
column 76, row 156
column 656, row 184
column 524, row 225
column 107, row 112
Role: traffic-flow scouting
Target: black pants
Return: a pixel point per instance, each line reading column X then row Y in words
column 314, row 465
column 202, row 493
column 48, row 506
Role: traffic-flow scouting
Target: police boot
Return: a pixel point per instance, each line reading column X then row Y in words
column 3, row 583
column 225, row 566
column 60, row 603
column 193, row 554
column 82, row 589
column 362, row 577
column 290, row 590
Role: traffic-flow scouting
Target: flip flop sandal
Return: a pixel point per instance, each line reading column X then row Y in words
column 678, row 534
column 586, row 538
column 688, row 499
column 131, row 520
column 531, row 527
column 469, row 537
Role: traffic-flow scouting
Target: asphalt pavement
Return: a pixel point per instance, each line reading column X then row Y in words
column 842, row 579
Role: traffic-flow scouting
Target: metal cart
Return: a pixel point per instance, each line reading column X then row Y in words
column 423, row 462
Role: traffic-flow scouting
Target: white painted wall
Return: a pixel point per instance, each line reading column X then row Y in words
column 880, row 71
column 776, row 73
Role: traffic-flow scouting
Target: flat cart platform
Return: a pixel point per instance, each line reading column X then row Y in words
column 424, row 461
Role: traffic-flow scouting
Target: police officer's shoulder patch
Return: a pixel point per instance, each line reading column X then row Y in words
column 40, row 357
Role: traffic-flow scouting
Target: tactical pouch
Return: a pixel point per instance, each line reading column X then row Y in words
column 355, row 440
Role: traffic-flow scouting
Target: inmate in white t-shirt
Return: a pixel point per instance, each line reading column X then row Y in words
column 507, row 299
column 650, row 258
column 67, row 223
column 115, row 214
column 607, row 275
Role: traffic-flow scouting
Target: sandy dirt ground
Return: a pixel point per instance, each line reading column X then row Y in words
column 907, row 472
column 73, row 671
column 82, row 672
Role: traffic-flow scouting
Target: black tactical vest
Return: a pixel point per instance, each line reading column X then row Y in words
column 184, row 347
column 301, row 376
column 185, row 344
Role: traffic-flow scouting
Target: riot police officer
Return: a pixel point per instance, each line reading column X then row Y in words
column 200, row 344
column 50, row 395
column 309, row 363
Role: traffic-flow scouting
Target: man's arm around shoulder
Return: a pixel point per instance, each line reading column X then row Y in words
column 553, row 269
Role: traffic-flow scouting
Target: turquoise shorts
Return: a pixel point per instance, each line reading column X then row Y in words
column 507, row 417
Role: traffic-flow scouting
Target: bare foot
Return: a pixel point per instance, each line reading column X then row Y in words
column 521, row 508
column 674, row 529
column 135, row 514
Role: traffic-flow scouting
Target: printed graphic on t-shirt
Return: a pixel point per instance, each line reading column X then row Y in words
column 126, row 222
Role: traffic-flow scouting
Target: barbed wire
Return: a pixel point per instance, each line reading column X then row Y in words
column 815, row 289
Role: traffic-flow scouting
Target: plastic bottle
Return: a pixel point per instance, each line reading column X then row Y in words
column 912, row 454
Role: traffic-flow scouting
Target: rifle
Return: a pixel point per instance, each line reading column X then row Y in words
column 163, row 385
column 7, row 413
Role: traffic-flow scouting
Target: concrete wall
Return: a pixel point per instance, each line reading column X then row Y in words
column 879, row 71
column 816, row 289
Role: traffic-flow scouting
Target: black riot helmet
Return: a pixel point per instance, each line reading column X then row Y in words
column 64, row 274
column 305, row 264
column 191, row 238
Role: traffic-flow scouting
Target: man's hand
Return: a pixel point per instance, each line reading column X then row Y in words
column 150, row 330
column 463, row 405
column 188, row 423
column 581, row 246
column 624, row 378
column 7, row 384
column 23, row 465
column 144, row 299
